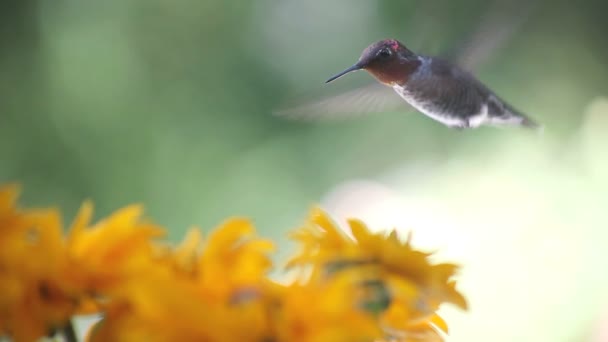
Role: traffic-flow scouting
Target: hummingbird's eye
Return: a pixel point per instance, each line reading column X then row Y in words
column 385, row 52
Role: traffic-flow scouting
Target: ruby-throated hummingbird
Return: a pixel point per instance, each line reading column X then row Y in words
column 436, row 88
column 446, row 91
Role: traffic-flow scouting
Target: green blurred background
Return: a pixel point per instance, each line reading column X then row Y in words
column 169, row 103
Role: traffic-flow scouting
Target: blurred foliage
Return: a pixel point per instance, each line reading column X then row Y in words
column 170, row 103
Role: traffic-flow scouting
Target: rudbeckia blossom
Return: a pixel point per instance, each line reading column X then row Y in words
column 214, row 285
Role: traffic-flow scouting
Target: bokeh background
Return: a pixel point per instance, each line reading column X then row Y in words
column 169, row 103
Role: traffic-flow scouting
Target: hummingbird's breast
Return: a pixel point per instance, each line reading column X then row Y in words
column 428, row 107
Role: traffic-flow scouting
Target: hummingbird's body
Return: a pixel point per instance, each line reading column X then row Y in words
column 436, row 88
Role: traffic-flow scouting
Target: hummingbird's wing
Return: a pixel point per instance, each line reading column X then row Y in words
column 500, row 21
column 373, row 98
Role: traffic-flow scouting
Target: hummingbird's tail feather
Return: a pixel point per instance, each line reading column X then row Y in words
column 510, row 116
column 526, row 122
column 529, row 123
column 521, row 120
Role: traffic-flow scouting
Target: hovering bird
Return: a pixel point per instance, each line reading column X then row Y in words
column 442, row 88
column 436, row 88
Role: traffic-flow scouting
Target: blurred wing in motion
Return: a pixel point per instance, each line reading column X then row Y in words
column 373, row 98
column 497, row 25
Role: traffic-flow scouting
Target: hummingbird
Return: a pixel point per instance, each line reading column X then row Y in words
column 437, row 88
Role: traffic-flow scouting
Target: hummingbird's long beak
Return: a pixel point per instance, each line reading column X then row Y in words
column 352, row 68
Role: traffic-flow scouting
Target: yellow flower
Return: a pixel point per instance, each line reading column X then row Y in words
column 206, row 291
column 327, row 309
column 112, row 251
column 234, row 258
column 45, row 279
column 35, row 298
column 416, row 287
column 368, row 287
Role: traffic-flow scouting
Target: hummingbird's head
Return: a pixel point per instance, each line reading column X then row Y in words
column 389, row 61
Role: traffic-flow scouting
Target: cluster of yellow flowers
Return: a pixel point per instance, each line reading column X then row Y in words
column 358, row 287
